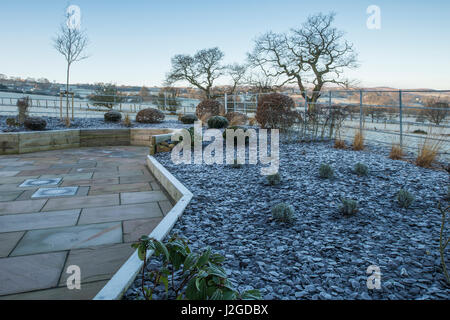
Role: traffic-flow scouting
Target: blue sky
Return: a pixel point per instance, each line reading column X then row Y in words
column 131, row 42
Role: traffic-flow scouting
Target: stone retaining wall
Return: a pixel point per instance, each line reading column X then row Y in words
column 25, row 142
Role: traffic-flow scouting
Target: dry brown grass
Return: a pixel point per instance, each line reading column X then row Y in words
column 396, row 152
column 252, row 121
column 127, row 120
column 339, row 144
column 67, row 122
column 428, row 152
column 358, row 141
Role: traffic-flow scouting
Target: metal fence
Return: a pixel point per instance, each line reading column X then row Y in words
column 385, row 117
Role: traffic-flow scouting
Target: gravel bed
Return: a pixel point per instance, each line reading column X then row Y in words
column 322, row 255
column 54, row 123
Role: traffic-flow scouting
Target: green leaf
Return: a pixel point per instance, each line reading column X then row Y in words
column 166, row 283
column 216, row 271
column 204, row 257
column 217, row 295
column 161, row 249
column 189, row 262
column 142, row 252
column 229, row 295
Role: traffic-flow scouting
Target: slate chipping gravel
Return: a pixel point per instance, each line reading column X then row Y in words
column 323, row 255
column 54, row 123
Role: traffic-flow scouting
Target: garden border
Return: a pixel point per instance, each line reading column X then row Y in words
column 33, row 141
column 124, row 277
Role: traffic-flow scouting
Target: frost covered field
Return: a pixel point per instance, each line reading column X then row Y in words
column 323, row 254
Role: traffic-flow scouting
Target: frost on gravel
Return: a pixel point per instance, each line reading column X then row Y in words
column 323, row 255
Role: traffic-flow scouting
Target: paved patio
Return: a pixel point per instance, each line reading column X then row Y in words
column 68, row 207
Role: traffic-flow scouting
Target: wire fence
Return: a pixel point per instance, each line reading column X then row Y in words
column 404, row 117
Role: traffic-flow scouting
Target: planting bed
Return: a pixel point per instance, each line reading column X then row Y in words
column 323, row 254
column 54, row 123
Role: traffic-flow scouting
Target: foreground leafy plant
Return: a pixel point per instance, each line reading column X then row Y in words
column 200, row 275
column 404, row 198
column 348, row 206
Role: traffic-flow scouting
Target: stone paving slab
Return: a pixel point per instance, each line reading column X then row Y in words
column 87, row 292
column 141, row 197
column 25, row 206
column 134, row 229
column 8, row 173
column 8, row 242
column 97, row 263
column 9, row 195
column 40, row 220
column 81, row 202
column 136, row 179
column 66, row 238
column 92, row 228
column 132, row 187
column 120, row 213
column 90, row 182
column 21, row 274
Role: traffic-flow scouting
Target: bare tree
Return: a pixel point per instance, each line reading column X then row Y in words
column 237, row 73
column 71, row 42
column 315, row 54
column 200, row 70
column 436, row 111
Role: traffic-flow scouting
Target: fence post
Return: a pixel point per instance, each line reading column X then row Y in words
column 225, row 102
column 401, row 116
column 306, row 113
column 165, row 101
column 360, row 110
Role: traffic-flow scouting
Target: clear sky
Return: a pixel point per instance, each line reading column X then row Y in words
column 131, row 41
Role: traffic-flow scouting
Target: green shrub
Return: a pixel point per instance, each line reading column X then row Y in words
column 217, row 122
column 189, row 118
column 404, row 198
column 348, row 206
column 326, row 171
column 283, row 212
column 35, row 123
column 273, row 179
column 361, row 169
column 112, row 116
column 12, row 122
column 202, row 274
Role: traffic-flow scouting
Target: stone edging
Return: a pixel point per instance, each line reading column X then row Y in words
column 125, row 276
column 33, row 141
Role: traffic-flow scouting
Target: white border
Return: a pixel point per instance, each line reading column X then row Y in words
column 125, row 276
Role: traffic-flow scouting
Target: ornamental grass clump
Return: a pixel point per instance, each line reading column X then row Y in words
column 404, row 198
column 361, row 169
column 396, row 152
column 283, row 212
column 326, row 171
column 358, row 141
column 273, row 179
column 348, row 207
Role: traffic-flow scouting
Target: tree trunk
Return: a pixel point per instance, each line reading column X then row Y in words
column 67, row 92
